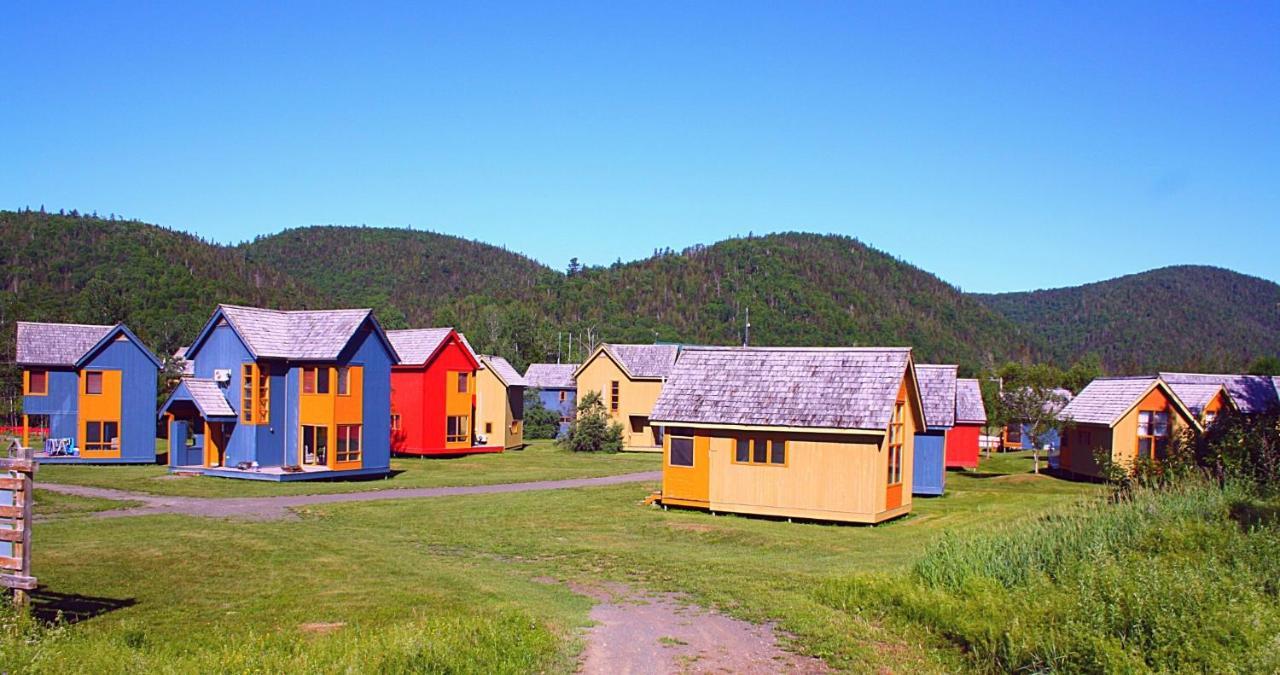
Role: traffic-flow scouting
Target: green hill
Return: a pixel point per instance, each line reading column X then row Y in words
column 1192, row 317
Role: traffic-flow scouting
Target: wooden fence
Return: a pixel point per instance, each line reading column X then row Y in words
column 16, row 498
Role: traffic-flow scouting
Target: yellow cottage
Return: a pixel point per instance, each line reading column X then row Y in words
column 629, row 379
column 822, row 434
column 1124, row 418
column 499, row 403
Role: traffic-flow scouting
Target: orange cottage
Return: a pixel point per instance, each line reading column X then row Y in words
column 1124, row 418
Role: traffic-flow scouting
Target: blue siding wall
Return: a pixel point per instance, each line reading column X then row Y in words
column 223, row 350
column 929, row 475
column 60, row 404
column 551, row 401
column 368, row 350
column 137, row 397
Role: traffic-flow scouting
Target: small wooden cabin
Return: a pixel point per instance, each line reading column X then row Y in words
column 433, row 394
column 283, row 396
column 629, row 379
column 1205, row 401
column 1249, row 394
column 823, row 434
column 499, row 403
column 938, row 392
column 1125, row 418
column 88, row 393
column 556, row 389
column 964, row 439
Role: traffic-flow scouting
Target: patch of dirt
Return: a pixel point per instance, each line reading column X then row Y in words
column 692, row 527
column 321, row 628
column 655, row 633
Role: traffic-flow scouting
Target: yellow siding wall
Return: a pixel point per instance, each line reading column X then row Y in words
column 1081, row 441
column 329, row 410
column 1124, row 443
column 687, row 485
column 493, row 406
column 637, row 398
column 460, row 403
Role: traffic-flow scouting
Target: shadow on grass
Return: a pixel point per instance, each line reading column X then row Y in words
column 1254, row 514
column 49, row 606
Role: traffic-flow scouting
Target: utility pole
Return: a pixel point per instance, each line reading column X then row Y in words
column 571, row 347
column 746, row 333
column 559, row 338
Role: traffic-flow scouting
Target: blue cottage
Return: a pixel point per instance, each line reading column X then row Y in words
column 284, row 395
column 89, row 393
column 556, row 389
column 938, row 395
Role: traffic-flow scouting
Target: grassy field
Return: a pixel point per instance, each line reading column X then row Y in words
column 51, row 504
column 466, row 583
column 541, row 460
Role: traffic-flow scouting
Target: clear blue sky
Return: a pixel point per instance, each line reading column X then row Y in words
column 1003, row 146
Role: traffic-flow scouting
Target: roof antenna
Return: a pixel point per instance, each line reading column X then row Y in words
column 746, row 333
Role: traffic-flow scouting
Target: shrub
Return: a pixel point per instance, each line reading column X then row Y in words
column 539, row 422
column 591, row 429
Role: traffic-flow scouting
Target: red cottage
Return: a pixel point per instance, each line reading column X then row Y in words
column 971, row 417
column 433, row 394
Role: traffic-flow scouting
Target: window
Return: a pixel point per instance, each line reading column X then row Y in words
column 246, row 393
column 395, row 422
column 614, row 396
column 349, row 437
column 681, row 451
column 760, row 451
column 344, row 381
column 264, row 394
column 515, row 426
column 457, row 429
column 564, row 395
column 1153, row 434
column 896, row 434
column 488, row 427
column 93, row 382
column 463, row 382
column 315, row 444
column 315, row 380
column 1013, row 434
column 1209, row 417
column 38, row 383
column 101, row 436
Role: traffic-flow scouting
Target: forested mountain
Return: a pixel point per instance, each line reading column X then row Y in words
column 1193, row 317
column 802, row 289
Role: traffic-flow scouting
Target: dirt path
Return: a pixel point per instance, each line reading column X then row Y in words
column 657, row 633
column 273, row 508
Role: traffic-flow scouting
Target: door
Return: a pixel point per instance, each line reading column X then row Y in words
column 215, row 444
column 315, row 445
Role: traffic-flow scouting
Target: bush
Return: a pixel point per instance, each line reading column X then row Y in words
column 591, row 429
column 1243, row 448
column 539, row 422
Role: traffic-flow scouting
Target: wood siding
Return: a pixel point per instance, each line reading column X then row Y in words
column 636, row 399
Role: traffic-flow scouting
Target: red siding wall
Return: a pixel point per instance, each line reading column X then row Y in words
column 417, row 396
column 962, row 446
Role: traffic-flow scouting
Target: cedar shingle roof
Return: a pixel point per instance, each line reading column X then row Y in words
column 319, row 335
column 502, row 368
column 208, row 397
column 416, row 345
column 56, row 344
column 808, row 388
column 645, row 361
column 1106, row 399
column 551, row 375
column 938, row 391
column 969, row 406
column 1250, row 393
column 1196, row 396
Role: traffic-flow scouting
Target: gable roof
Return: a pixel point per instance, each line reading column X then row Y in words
column 299, row 335
column 502, row 368
column 1108, row 399
column 550, row 375
column 206, row 394
column 1250, row 393
column 417, row 346
column 188, row 366
column 938, row 392
column 969, row 406
column 638, row 362
column 1197, row 396
column 68, row 344
column 832, row 388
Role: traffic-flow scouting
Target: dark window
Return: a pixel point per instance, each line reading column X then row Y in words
column 38, row 382
column 349, row 437
column 344, row 382
column 777, row 452
column 743, row 451
column 758, row 451
column 614, row 395
column 462, row 382
column 308, row 380
column 93, row 382
column 322, row 380
column 681, row 451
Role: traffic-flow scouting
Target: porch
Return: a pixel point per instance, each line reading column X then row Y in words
column 279, row 474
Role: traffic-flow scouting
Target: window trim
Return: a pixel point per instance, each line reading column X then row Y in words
column 27, row 390
column 615, row 396
column 248, row 386
column 894, row 442
column 342, row 380
column 462, row 382
column 463, row 434
column 102, row 445
column 102, row 382
column 1153, row 437
column 768, row 441
column 358, row 455
column 693, row 452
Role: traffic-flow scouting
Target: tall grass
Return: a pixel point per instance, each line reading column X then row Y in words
column 1168, row 580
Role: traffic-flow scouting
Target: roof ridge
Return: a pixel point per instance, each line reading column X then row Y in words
column 77, row 325
column 794, row 349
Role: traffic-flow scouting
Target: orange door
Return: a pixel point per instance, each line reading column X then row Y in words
column 215, row 444
column 686, row 474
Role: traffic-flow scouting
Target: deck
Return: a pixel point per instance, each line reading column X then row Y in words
column 278, row 474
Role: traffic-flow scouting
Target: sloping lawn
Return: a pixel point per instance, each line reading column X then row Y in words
column 468, row 583
column 541, row 460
